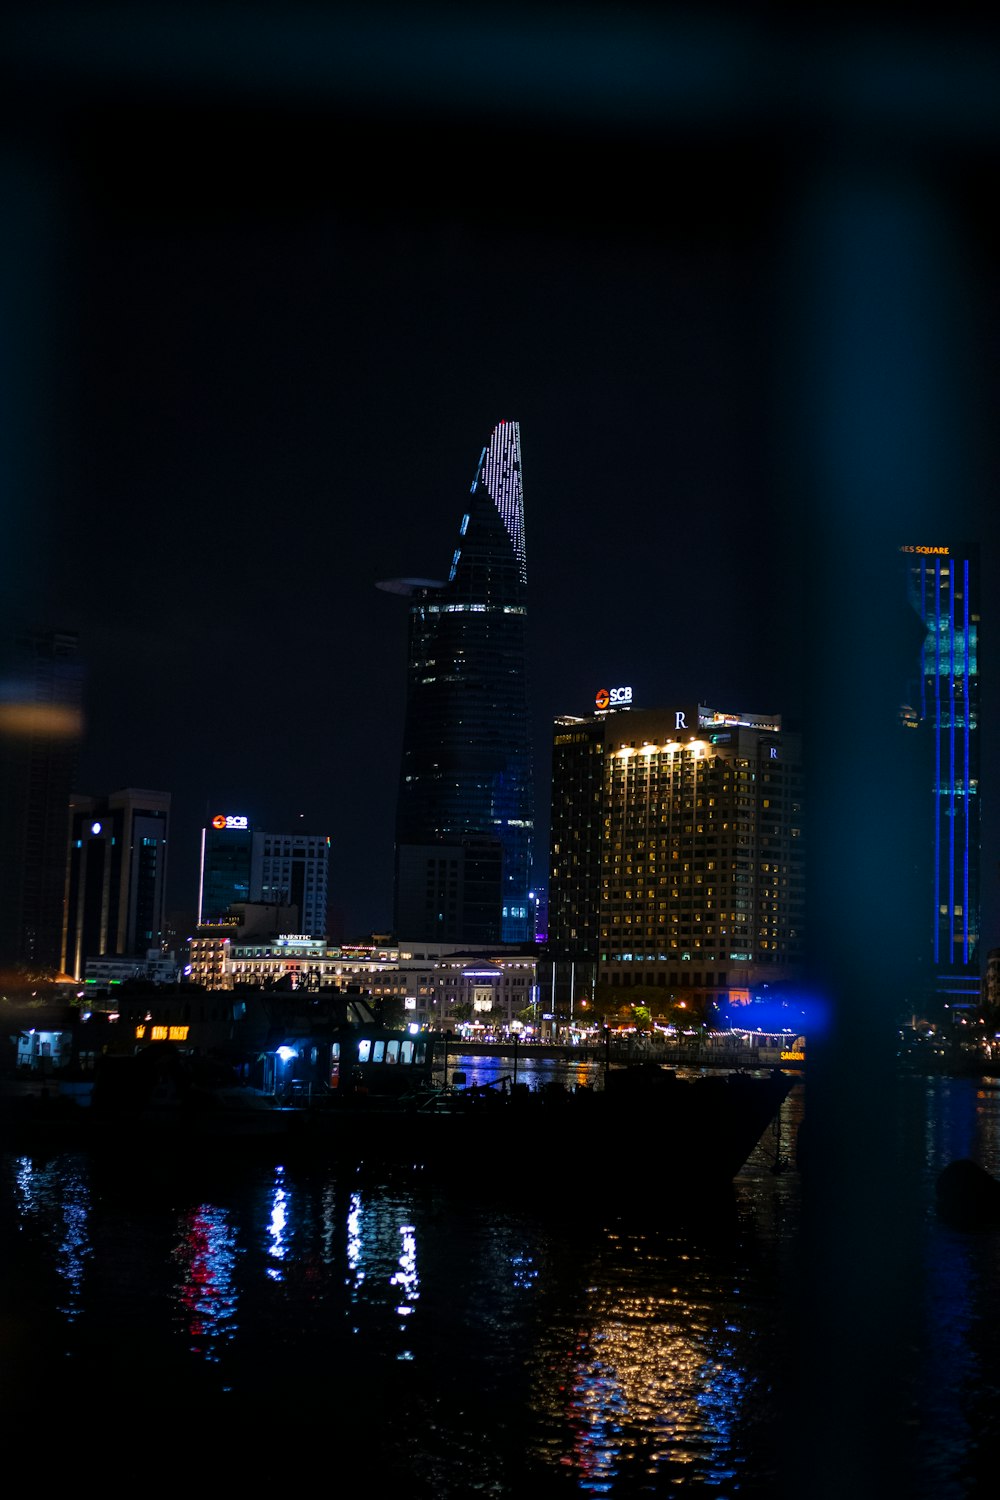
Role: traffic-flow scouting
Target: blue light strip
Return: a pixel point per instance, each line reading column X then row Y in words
column 951, row 766
column 937, row 760
column 966, row 783
column 923, row 616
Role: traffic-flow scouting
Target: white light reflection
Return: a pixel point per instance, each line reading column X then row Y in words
column 60, row 1202
column 381, row 1258
column 406, row 1278
column 277, row 1225
column 354, row 1240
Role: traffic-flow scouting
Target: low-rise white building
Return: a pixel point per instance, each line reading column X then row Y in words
column 439, row 987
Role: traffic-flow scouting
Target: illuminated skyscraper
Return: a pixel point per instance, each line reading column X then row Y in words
column 678, row 848
column 465, row 810
column 942, row 584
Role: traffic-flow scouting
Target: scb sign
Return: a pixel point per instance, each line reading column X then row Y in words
column 229, row 820
column 613, row 697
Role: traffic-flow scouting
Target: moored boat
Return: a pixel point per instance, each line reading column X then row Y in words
column 645, row 1126
column 367, row 1100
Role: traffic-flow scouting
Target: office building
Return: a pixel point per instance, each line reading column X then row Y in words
column 241, row 864
column 677, row 849
column 224, row 866
column 465, row 809
column 292, row 869
column 942, row 711
column 41, row 721
column 115, row 876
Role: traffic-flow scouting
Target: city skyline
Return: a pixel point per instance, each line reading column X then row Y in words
column 247, row 392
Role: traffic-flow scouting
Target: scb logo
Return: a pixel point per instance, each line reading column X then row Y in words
column 229, row 820
column 613, row 697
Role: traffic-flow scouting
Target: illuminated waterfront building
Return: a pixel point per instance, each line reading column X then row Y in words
column 677, row 848
column 436, row 988
column 942, row 708
column 465, row 808
column 115, row 877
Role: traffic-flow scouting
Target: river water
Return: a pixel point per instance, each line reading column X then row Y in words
column 207, row 1328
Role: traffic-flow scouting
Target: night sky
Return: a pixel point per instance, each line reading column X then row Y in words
column 271, row 302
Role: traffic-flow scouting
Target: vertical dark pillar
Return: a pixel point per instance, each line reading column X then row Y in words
column 874, row 405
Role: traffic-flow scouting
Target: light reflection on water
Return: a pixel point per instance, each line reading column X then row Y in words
column 57, row 1201
column 207, row 1297
column 497, row 1349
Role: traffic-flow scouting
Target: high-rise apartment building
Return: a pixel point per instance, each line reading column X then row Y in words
column 115, row 876
column 465, row 809
column 241, row 864
column 41, row 721
column 678, row 847
column 942, row 709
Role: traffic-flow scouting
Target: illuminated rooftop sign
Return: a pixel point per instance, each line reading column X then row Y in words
column 230, row 820
column 616, row 697
column 709, row 718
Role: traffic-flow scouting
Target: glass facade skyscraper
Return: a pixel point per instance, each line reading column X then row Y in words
column 226, row 857
column 465, row 809
column 942, row 585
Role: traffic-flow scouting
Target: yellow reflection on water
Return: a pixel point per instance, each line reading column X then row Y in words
column 653, row 1378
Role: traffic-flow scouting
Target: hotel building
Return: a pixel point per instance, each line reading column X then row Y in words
column 677, row 848
column 434, row 985
column 465, row 808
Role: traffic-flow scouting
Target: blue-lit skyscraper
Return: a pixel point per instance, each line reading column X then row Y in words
column 943, row 709
column 465, row 809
